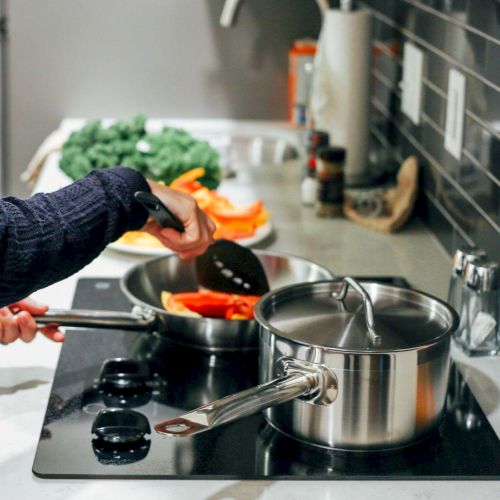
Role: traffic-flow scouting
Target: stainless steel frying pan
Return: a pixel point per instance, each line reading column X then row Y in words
column 144, row 283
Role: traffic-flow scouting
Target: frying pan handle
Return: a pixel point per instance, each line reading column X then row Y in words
column 136, row 320
column 158, row 210
column 300, row 379
column 370, row 319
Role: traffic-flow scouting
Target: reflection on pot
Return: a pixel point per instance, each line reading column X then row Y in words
column 461, row 404
column 281, row 455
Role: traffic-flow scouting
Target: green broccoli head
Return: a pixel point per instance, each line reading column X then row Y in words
column 162, row 156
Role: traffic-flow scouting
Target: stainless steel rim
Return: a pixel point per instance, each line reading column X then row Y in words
column 280, row 294
column 147, row 306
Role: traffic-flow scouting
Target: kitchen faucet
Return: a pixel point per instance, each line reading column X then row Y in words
column 231, row 9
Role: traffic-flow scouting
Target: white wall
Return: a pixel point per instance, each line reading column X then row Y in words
column 167, row 58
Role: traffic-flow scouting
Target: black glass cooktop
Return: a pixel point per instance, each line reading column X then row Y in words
column 140, row 379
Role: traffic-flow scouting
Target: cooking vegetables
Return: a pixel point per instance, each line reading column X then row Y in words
column 160, row 156
column 210, row 304
column 232, row 222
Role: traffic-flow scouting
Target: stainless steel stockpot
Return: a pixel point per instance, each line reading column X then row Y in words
column 343, row 366
column 143, row 285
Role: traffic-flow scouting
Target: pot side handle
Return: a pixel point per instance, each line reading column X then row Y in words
column 239, row 405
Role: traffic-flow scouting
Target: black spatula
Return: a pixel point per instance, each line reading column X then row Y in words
column 225, row 266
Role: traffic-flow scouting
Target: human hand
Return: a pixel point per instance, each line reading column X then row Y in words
column 17, row 322
column 198, row 227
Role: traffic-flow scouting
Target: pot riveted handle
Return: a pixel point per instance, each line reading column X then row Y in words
column 138, row 319
column 370, row 319
column 299, row 378
column 238, row 405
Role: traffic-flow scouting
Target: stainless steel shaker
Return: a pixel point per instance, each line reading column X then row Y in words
column 462, row 257
column 480, row 309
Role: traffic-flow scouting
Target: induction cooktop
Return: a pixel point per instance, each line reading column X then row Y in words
column 112, row 386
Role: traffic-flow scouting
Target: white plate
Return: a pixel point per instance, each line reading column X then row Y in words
column 261, row 234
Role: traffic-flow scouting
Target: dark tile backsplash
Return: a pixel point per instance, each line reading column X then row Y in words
column 459, row 199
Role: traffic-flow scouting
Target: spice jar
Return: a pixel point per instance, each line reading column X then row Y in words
column 317, row 139
column 330, row 176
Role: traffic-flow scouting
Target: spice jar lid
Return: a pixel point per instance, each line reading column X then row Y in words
column 368, row 317
column 317, row 139
column 482, row 276
column 331, row 153
column 466, row 254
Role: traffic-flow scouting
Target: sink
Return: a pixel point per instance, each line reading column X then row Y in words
column 244, row 147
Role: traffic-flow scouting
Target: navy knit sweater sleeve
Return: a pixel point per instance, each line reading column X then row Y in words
column 48, row 237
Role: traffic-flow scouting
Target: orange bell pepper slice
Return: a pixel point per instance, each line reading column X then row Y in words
column 236, row 213
column 232, row 222
column 188, row 177
column 233, row 234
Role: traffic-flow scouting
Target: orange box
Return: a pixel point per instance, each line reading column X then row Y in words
column 300, row 69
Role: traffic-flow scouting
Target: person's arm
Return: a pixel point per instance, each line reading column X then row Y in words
column 51, row 236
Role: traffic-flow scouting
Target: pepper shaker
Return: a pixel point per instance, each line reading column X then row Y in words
column 462, row 257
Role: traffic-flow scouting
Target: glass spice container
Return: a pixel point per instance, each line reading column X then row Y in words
column 463, row 255
column 480, row 306
column 317, row 139
column 330, row 176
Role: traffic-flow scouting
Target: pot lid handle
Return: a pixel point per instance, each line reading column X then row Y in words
column 370, row 321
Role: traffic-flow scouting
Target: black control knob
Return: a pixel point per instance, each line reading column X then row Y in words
column 123, row 374
column 116, row 425
column 120, row 454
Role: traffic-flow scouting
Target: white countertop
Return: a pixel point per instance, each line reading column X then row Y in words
column 27, row 370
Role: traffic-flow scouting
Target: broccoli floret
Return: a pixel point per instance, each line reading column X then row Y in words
column 76, row 166
column 162, row 157
column 86, row 136
column 108, row 135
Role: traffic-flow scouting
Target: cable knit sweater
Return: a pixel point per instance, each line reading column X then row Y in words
column 48, row 237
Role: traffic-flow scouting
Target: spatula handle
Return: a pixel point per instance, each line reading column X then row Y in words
column 158, row 210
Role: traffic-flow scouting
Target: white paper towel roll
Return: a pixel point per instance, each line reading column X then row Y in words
column 340, row 91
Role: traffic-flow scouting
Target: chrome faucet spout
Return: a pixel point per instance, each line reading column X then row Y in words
column 231, row 10
column 229, row 13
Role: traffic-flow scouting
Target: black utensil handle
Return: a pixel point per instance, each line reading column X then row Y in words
column 158, row 210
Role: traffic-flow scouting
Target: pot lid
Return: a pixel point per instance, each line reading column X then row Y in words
column 339, row 315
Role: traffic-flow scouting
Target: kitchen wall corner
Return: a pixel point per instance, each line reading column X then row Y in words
column 460, row 199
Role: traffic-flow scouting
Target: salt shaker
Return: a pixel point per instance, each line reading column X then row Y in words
column 462, row 256
column 481, row 336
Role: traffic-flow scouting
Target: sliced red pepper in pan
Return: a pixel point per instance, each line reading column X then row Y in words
column 210, row 304
column 214, row 304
